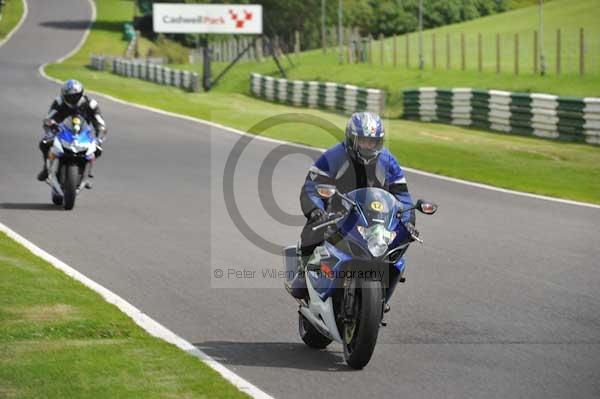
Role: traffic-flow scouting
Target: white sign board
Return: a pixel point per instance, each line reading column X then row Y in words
column 207, row 18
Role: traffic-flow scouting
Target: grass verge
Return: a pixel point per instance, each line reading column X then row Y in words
column 59, row 339
column 527, row 164
column 11, row 14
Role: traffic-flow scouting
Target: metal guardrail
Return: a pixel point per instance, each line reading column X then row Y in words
column 530, row 114
column 327, row 95
column 153, row 72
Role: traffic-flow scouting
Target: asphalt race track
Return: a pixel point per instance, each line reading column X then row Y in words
column 502, row 301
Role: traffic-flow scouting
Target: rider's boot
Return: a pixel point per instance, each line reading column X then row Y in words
column 88, row 184
column 298, row 285
column 43, row 175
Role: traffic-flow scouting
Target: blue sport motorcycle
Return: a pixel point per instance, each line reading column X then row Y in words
column 352, row 275
column 69, row 160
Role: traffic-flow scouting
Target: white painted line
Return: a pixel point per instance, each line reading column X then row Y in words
column 153, row 327
column 17, row 26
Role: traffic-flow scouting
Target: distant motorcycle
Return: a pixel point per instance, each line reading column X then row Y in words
column 70, row 157
column 347, row 275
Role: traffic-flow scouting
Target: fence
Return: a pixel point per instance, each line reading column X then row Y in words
column 542, row 115
column 328, row 95
column 264, row 46
column 153, row 72
column 566, row 50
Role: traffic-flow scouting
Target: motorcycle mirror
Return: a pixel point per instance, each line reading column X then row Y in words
column 426, row 207
column 326, row 190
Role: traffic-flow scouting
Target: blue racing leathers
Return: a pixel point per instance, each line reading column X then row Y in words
column 336, row 167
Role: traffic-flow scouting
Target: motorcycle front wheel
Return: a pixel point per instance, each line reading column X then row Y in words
column 360, row 333
column 70, row 185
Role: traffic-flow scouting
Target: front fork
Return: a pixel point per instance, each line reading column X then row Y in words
column 52, row 163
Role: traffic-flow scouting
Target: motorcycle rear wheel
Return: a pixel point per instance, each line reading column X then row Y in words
column 310, row 335
column 360, row 336
column 57, row 199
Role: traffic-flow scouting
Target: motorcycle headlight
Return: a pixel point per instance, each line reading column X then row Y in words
column 378, row 238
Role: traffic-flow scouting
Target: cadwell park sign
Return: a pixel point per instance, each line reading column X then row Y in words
column 207, row 18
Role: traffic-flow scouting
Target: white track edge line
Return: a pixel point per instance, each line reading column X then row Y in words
column 17, row 26
column 144, row 321
column 150, row 325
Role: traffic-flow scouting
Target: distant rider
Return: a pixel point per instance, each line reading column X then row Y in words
column 359, row 162
column 72, row 101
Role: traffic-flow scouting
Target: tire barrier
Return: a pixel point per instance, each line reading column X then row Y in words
column 326, row 95
column 530, row 114
column 141, row 69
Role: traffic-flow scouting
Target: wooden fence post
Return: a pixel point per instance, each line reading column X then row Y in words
column 395, row 50
column 463, row 56
column 479, row 53
column 381, row 49
column 333, row 38
column 516, row 53
column 297, row 43
column 407, row 51
column 258, row 49
column 370, row 49
column 497, row 52
column 433, row 60
column 535, row 52
column 448, row 51
column 558, row 51
column 581, row 52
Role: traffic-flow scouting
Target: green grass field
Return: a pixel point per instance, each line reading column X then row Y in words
column 569, row 15
column 527, row 164
column 11, row 14
column 58, row 339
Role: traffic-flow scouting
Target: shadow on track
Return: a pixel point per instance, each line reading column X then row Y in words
column 289, row 355
column 22, row 206
column 113, row 26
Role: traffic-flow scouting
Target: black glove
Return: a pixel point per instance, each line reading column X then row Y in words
column 50, row 125
column 317, row 215
column 412, row 230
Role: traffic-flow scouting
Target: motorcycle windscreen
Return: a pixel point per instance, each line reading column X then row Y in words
column 377, row 205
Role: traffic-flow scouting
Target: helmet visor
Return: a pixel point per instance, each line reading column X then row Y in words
column 72, row 99
column 368, row 147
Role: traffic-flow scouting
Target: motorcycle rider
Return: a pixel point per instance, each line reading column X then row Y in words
column 360, row 161
column 72, row 101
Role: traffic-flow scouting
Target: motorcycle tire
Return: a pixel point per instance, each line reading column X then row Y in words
column 359, row 350
column 70, row 186
column 57, row 199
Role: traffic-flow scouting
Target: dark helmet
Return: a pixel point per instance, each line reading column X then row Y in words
column 364, row 137
column 71, row 92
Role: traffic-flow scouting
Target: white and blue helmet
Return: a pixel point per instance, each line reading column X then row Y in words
column 71, row 92
column 364, row 136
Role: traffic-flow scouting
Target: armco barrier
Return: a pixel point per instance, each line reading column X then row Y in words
column 141, row 69
column 346, row 98
column 542, row 115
